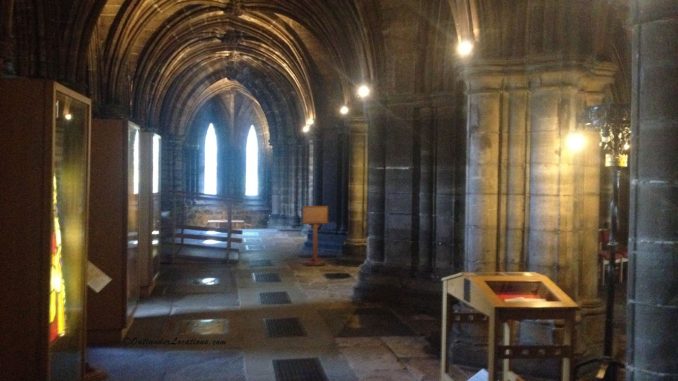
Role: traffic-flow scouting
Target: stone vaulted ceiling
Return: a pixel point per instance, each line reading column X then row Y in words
column 161, row 60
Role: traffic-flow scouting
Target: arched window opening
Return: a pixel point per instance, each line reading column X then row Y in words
column 252, row 164
column 210, row 174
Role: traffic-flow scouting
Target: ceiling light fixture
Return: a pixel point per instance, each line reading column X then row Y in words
column 465, row 48
column 363, row 91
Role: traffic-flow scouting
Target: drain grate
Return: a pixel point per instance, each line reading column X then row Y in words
column 260, row 263
column 266, row 277
column 337, row 275
column 274, row 298
column 299, row 370
column 284, row 327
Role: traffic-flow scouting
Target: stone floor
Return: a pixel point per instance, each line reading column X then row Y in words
column 267, row 316
column 210, row 320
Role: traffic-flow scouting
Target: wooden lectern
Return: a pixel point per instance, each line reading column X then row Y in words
column 315, row 216
column 499, row 298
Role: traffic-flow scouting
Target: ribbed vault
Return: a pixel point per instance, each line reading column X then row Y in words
column 158, row 59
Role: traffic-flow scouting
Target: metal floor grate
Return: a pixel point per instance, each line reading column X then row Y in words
column 284, row 327
column 337, row 275
column 266, row 277
column 274, row 298
column 260, row 263
column 299, row 370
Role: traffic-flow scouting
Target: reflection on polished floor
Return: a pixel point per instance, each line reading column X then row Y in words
column 266, row 317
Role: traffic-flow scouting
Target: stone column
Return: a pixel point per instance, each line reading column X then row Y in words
column 482, row 171
column 532, row 204
column 276, row 184
column 356, row 240
column 293, row 163
column 376, row 178
column 343, row 171
column 653, row 234
column 424, row 192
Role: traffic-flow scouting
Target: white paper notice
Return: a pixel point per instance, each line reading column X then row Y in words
column 96, row 279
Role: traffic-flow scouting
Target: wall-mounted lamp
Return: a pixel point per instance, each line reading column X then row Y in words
column 343, row 110
column 575, row 141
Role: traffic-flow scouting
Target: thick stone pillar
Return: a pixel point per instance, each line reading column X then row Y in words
column 531, row 203
column 294, row 164
column 276, row 184
column 356, row 240
column 376, row 177
column 343, row 173
column 423, row 192
column 653, row 234
column 414, row 148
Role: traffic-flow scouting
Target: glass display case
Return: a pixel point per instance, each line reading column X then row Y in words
column 149, row 207
column 114, row 228
column 496, row 299
column 44, row 210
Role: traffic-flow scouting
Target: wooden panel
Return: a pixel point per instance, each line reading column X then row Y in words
column 25, row 224
column 316, row 214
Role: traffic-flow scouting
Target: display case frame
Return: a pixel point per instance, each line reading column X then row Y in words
column 44, row 214
column 149, row 207
column 495, row 300
column 114, row 228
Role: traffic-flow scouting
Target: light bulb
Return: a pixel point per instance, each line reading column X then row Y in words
column 575, row 141
column 363, row 91
column 465, row 48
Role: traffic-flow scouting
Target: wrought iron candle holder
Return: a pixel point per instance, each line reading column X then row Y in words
column 613, row 123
